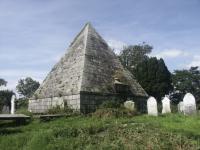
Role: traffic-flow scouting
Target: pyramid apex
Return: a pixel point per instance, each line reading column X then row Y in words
column 88, row 24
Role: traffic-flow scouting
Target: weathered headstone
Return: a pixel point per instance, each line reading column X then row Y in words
column 189, row 104
column 152, row 106
column 129, row 105
column 5, row 110
column 166, row 106
column 181, row 107
column 12, row 105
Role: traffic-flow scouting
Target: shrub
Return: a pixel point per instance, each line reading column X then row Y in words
column 114, row 112
column 110, row 104
column 174, row 108
column 60, row 110
column 24, row 111
column 21, row 103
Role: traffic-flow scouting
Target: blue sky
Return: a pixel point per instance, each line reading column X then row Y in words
column 35, row 33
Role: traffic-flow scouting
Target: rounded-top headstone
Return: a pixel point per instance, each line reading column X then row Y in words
column 189, row 104
column 129, row 105
column 166, row 105
column 152, row 106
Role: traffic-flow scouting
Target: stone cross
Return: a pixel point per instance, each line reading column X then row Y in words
column 12, row 105
column 189, row 104
column 181, row 107
column 129, row 105
column 152, row 106
column 166, row 105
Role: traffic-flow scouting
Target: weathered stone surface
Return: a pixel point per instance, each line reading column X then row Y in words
column 152, row 106
column 89, row 66
column 5, row 110
column 166, row 105
column 42, row 105
column 130, row 105
column 189, row 104
column 181, row 107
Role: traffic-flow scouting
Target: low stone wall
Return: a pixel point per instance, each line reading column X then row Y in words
column 72, row 101
column 91, row 101
column 42, row 105
column 84, row 102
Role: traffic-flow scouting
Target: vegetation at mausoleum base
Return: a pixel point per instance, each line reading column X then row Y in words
column 90, row 132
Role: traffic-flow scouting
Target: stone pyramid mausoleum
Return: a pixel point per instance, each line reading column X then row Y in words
column 87, row 75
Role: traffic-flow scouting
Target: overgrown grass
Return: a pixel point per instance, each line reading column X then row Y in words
column 24, row 111
column 81, row 132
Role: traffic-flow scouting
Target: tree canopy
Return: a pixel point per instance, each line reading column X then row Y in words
column 154, row 77
column 132, row 55
column 26, row 87
column 151, row 73
column 3, row 82
column 185, row 81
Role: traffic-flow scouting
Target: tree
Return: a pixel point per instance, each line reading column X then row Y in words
column 154, row 77
column 3, row 82
column 27, row 87
column 185, row 81
column 132, row 55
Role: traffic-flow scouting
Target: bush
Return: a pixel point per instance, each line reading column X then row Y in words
column 110, row 104
column 24, row 111
column 174, row 108
column 113, row 112
column 21, row 103
column 113, row 108
column 60, row 110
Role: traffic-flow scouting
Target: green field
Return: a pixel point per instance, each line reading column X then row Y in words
column 81, row 132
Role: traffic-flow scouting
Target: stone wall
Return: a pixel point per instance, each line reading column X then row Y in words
column 89, row 102
column 72, row 101
column 42, row 105
column 84, row 102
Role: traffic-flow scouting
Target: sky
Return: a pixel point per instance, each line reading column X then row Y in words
column 34, row 34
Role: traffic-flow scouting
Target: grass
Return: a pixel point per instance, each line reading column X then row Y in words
column 80, row 132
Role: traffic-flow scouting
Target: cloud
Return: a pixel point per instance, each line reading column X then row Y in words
column 195, row 62
column 172, row 53
column 116, row 45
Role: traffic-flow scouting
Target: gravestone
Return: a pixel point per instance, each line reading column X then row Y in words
column 181, row 107
column 166, row 106
column 5, row 110
column 12, row 105
column 129, row 105
column 189, row 104
column 152, row 106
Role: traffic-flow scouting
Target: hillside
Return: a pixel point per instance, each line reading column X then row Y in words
column 81, row 132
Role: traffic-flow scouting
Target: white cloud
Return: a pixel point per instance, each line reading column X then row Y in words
column 172, row 53
column 116, row 45
column 195, row 62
